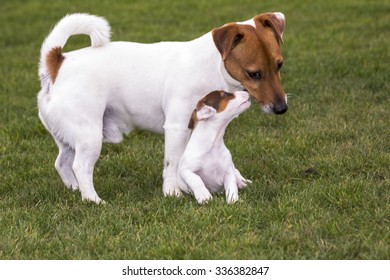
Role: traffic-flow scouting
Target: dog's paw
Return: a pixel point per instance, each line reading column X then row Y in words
column 171, row 188
column 176, row 192
column 73, row 187
column 70, row 183
column 95, row 198
column 204, row 198
column 243, row 183
column 202, row 195
column 232, row 198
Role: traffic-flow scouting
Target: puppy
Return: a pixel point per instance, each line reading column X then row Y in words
column 206, row 166
column 97, row 94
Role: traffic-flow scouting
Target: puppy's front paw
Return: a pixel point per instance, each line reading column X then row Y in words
column 204, row 198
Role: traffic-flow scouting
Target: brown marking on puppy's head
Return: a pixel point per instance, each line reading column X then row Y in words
column 252, row 56
column 54, row 59
column 218, row 100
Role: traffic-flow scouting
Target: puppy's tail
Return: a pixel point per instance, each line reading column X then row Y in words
column 51, row 59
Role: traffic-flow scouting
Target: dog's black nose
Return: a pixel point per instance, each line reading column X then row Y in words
column 280, row 108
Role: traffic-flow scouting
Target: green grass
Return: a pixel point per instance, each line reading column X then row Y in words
column 321, row 172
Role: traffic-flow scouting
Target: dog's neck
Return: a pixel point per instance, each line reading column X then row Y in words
column 209, row 56
column 208, row 135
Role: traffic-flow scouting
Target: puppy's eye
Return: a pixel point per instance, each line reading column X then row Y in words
column 226, row 94
column 280, row 64
column 255, row 75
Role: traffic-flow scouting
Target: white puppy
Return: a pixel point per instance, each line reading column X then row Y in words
column 206, row 166
column 97, row 94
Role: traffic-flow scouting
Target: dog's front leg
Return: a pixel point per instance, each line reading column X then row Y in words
column 176, row 139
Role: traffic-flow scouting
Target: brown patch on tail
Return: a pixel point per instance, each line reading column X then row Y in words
column 54, row 59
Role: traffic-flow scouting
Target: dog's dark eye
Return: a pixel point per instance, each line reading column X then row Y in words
column 280, row 64
column 255, row 75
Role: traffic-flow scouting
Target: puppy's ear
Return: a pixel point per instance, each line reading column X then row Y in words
column 227, row 38
column 205, row 112
column 193, row 120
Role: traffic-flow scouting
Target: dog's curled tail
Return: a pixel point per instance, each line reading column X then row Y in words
column 51, row 58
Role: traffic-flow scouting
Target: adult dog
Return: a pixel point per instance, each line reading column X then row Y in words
column 97, row 94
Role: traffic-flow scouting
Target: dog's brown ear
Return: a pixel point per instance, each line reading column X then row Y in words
column 226, row 38
column 275, row 21
column 191, row 124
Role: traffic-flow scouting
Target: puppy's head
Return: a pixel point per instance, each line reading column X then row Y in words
column 251, row 54
column 220, row 105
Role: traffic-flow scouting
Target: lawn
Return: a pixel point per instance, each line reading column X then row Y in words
column 320, row 172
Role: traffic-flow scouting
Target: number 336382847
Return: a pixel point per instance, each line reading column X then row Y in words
column 236, row 270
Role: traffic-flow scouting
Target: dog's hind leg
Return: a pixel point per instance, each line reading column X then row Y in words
column 64, row 164
column 87, row 151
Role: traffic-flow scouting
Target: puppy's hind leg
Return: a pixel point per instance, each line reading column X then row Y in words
column 87, row 151
column 64, row 164
column 241, row 181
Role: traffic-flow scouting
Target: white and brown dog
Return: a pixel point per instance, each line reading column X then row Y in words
column 97, row 94
column 206, row 166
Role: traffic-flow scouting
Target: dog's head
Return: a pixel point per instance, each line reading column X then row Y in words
column 251, row 54
column 222, row 106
